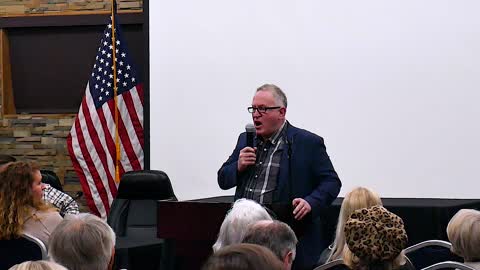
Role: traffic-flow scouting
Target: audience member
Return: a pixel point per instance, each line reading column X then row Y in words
column 83, row 242
column 60, row 200
column 275, row 235
column 358, row 198
column 463, row 232
column 22, row 209
column 375, row 238
column 37, row 265
column 243, row 213
column 243, row 257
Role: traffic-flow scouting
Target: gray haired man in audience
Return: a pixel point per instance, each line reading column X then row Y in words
column 275, row 235
column 82, row 242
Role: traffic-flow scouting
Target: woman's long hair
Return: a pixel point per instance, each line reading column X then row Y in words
column 16, row 198
column 358, row 198
column 355, row 263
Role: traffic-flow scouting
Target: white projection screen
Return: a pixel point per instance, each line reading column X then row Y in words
column 392, row 86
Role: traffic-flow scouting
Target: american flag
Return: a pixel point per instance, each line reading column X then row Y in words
column 91, row 142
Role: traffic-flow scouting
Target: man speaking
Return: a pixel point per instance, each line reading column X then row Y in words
column 286, row 165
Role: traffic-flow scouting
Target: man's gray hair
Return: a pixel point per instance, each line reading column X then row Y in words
column 81, row 242
column 275, row 235
column 277, row 93
column 243, row 213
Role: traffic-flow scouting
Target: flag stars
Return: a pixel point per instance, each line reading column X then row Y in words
column 128, row 67
column 107, row 34
column 133, row 79
column 96, row 86
column 103, row 52
column 121, row 63
column 105, row 43
column 101, row 60
column 110, row 47
column 110, row 26
column 100, row 98
column 124, row 83
column 102, row 89
column 98, row 78
column 109, row 55
column 107, row 93
column 126, row 75
column 110, row 75
column 124, row 54
column 119, row 71
column 118, row 42
column 109, row 84
column 100, row 69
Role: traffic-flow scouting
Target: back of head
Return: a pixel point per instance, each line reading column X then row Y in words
column 16, row 197
column 375, row 236
column 358, row 198
column 243, row 257
column 37, row 265
column 82, row 241
column 275, row 235
column 463, row 232
column 243, row 213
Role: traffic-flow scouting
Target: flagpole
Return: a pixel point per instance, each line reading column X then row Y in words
column 115, row 90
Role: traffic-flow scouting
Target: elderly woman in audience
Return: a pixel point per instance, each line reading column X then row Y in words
column 83, row 242
column 463, row 232
column 375, row 238
column 22, row 209
column 38, row 265
column 358, row 198
column 243, row 213
column 243, row 257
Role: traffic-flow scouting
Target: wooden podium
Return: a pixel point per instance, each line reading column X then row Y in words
column 190, row 228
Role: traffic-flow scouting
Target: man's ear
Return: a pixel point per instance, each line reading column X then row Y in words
column 289, row 257
column 112, row 259
column 283, row 111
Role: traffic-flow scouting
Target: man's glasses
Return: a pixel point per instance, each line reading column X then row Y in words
column 261, row 109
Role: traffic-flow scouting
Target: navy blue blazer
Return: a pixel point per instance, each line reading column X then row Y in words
column 305, row 172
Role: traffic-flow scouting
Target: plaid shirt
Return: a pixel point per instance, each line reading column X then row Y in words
column 61, row 200
column 263, row 181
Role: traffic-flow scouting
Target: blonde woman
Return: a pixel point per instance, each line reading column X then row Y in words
column 38, row 265
column 22, row 209
column 463, row 232
column 358, row 198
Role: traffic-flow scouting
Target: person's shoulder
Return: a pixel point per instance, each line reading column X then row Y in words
column 304, row 135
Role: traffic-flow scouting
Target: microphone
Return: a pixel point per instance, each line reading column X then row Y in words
column 250, row 129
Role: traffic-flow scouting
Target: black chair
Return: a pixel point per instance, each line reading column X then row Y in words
column 448, row 265
column 430, row 252
column 133, row 217
column 25, row 248
column 51, row 178
column 333, row 265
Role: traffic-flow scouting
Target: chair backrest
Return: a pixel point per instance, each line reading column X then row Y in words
column 448, row 265
column 333, row 265
column 134, row 210
column 25, row 248
column 427, row 243
column 430, row 252
column 51, row 178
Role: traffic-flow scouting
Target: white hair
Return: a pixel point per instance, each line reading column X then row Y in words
column 244, row 212
column 37, row 265
column 82, row 242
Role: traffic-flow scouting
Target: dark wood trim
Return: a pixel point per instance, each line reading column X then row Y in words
column 69, row 20
column 8, row 104
column 146, row 92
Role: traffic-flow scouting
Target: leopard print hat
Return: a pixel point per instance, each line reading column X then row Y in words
column 375, row 234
